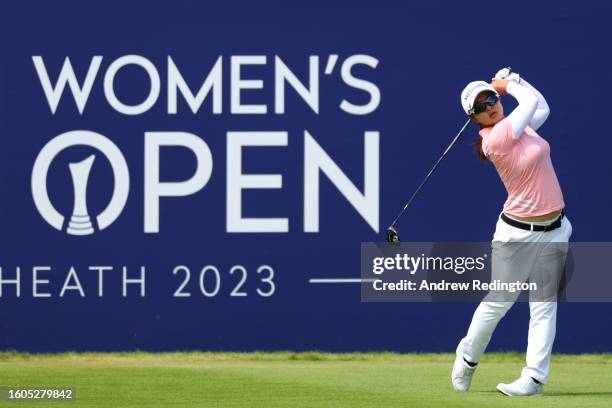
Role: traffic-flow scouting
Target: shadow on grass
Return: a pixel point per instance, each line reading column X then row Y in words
column 555, row 394
column 577, row 394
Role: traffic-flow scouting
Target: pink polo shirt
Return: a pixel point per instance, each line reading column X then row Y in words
column 525, row 168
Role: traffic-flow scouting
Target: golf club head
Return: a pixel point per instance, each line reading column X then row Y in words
column 392, row 236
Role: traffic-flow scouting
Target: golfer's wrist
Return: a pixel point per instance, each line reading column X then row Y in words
column 511, row 87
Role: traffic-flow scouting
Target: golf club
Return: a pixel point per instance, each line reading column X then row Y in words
column 392, row 235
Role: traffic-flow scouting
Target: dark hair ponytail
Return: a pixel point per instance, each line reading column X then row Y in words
column 479, row 153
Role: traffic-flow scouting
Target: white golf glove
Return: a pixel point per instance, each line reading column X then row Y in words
column 505, row 73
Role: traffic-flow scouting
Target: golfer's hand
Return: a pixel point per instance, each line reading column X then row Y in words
column 506, row 73
column 500, row 85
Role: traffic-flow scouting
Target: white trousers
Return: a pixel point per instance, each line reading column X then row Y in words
column 543, row 314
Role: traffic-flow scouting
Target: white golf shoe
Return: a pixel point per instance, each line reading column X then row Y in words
column 461, row 377
column 523, row 387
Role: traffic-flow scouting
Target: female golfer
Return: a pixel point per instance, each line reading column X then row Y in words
column 533, row 213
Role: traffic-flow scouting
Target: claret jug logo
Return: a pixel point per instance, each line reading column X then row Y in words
column 80, row 221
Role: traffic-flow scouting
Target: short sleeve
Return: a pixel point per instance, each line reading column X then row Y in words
column 499, row 139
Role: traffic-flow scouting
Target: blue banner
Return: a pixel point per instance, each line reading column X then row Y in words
column 189, row 175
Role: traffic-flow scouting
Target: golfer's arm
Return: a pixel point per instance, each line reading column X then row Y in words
column 543, row 110
column 527, row 105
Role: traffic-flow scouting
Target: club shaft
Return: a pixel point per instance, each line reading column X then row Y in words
column 435, row 166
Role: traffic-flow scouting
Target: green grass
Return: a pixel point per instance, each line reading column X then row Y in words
column 286, row 379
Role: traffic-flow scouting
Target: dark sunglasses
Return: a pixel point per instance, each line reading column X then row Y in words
column 482, row 106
